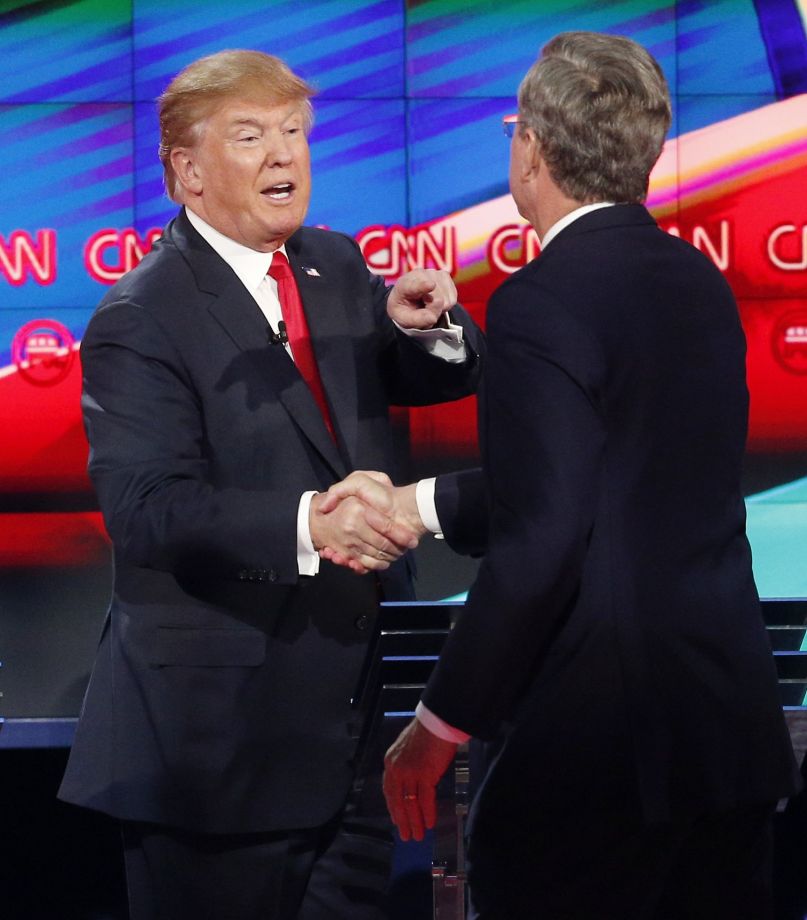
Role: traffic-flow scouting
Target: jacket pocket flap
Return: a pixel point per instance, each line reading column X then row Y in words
column 211, row 648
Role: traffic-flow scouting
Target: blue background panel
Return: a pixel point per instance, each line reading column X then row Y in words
column 709, row 36
column 358, row 163
column 66, row 167
column 459, row 48
column 152, row 208
column 79, row 51
column 345, row 48
column 459, row 155
column 698, row 110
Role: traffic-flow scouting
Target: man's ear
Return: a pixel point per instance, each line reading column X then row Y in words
column 533, row 161
column 183, row 159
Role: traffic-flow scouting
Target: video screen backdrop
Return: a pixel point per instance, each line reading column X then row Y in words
column 410, row 158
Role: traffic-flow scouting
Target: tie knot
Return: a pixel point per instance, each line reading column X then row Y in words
column 280, row 267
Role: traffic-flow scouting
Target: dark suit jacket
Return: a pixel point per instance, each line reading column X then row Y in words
column 614, row 629
column 220, row 697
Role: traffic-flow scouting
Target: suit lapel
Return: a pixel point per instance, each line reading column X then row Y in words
column 331, row 340
column 235, row 310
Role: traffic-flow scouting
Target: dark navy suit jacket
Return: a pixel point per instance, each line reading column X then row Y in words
column 614, row 631
column 220, row 699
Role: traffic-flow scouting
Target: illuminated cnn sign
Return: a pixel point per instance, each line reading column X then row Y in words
column 25, row 256
column 109, row 254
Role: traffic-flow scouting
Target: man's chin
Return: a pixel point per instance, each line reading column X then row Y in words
column 284, row 225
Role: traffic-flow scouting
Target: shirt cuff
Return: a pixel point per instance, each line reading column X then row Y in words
column 444, row 343
column 307, row 556
column 424, row 496
column 438, row 727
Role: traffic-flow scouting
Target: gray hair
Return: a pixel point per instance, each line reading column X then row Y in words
column 600, row 109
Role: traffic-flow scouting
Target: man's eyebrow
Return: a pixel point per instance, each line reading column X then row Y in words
column 246, row 121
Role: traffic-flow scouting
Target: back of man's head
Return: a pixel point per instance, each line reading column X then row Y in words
column 195, row 93
column 600, row 109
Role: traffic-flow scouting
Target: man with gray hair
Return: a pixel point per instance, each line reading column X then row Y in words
column 243, row 367
column 612, row 644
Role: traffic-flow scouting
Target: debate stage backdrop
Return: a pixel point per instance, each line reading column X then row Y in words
column 410, row 158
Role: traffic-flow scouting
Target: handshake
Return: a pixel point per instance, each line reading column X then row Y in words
column 365, row 522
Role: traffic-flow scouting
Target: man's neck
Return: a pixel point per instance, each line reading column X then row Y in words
column 552, row 208
column 569, row 218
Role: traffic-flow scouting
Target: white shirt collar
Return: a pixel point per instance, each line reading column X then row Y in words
column 250, row 265
column 570, row 218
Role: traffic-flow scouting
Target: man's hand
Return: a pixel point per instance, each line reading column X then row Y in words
column 420, row 298
column 396, row 504
column 413, row 767
column 364, row 536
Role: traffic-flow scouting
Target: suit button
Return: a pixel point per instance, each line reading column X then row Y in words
column 362, row 622
column 273, row 576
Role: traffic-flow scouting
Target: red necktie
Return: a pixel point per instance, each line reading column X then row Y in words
column 297, row 332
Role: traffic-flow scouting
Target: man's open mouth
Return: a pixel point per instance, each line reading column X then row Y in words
column 279, row 192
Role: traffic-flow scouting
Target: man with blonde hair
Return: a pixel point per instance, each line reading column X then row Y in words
column 612, row 644
column 243, row 367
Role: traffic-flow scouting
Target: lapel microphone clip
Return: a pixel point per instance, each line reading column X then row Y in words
column 280, row 337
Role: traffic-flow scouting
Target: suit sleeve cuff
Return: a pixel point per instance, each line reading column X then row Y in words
column 307, row 556
column 427, row 509
column 438, row 727
column 444, row 343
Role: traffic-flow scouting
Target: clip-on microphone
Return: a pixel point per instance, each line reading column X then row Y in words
column 279, row 337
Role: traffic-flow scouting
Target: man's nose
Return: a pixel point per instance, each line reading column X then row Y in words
column 279, row 151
